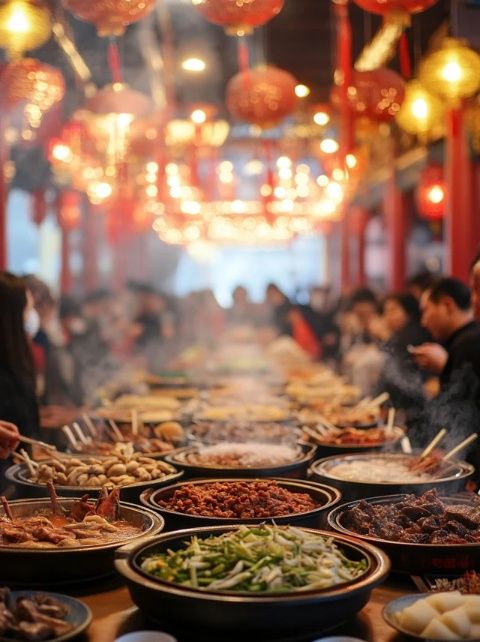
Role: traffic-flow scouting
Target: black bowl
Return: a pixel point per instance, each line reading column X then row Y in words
column 18, row 474
column 413, row 558
column 37, row 567
column 229, row 616
column 328, row 450
column 296, row 469
column 325, row 496
column 454, row 481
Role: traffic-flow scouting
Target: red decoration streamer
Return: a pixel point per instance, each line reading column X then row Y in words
column 114, row 62
column 404, row 56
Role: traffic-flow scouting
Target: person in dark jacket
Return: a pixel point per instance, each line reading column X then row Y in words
column 18, row 402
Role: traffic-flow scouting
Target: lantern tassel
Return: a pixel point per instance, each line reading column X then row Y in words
column 404, row 56
column 114, row 61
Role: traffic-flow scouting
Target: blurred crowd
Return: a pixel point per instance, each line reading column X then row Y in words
column 421, row 343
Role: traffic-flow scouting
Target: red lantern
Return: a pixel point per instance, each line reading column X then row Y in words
column 31, row 82
column 239, row 17
column 69, row 210
column 110, row 17
column 431, row 193
column 384, row 7
column 377, row 94
column 262, row 96
column 119, row 99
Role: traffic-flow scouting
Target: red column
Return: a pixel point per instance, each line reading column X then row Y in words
column 90, row 267
column 344, row 255
column 459, row 214
column 396, row 227
column 65, row 272
column 3, row 202
column 358, row 226
column 475, row 243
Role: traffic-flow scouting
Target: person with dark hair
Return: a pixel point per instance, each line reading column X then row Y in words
column 279, row 308
column 18, row 324
column 418, row 283
column 401, row 314
column 475, row 285
column 448, row 316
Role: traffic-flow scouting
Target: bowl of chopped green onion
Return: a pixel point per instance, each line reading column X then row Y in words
column 265, row 580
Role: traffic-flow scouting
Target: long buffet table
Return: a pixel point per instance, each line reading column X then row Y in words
column 114, row 614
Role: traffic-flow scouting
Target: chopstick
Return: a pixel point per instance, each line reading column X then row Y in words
column 90, row 425
column 70, row 438
column 36, row 442
column 463, row 444
column 116, row 430
column 390, row 420
column 134, row 421
column 380, row 399
column 81, row 435
column 435, row 441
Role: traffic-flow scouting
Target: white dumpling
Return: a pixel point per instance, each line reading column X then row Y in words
column 472, row 608
column 416, row 616
column 458, row 621
column 437, row 630
column 445, row 601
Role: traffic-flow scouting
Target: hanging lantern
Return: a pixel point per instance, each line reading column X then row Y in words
column 238, row 17
column 33, row 84
column 422, row 113
column 24, row 25
column 431, row 193
column 110, row 17
column 39, row 207
column 69, row 210
column 262, row 96
column 384, row 7
column 377, row 94
column 452, row 72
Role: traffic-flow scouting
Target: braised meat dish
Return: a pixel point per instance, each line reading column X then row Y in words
column 238, row 500
column 35, row 617
column 83, row 524
column 419, row 520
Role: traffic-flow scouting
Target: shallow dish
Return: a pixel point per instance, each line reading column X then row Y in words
column 454, row 481
column 413, row 558
column 391, row 609
column 79, row 615
column 18, row 474
column 325, row 496
column 226, row 615
column 327, row 449
column 22, row 566
column 295, row 469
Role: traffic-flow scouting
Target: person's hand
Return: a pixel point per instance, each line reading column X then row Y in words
column 430, row 356
column 8, row 438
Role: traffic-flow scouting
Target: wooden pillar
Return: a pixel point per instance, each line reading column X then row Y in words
column 396, row 228
column 459, row 214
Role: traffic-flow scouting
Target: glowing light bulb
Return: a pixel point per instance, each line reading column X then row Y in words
column 329, row 146
column 420, row 108
column 198, row 116
column 452, row 72
column 302, row 91
column 194, row 65
column 18, row 21
column 321, row 118
column 436, row 194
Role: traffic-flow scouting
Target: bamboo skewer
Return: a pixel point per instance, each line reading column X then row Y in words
column 380, row 399
column 29, row 462
column 36, row 442
column 134, row 421
column 70, row 438
column 328, row 424
column 116, row 430
column 86, row 441
column 6, row 507
column 390, row 421
column 463, row 444
column 435, row 441
column 90, row 425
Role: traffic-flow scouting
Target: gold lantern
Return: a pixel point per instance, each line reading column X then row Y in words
column 422, row 113
column 24, row 25
column 452, row 72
